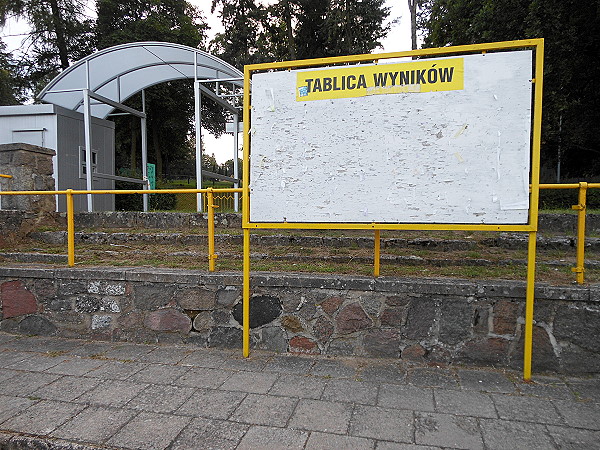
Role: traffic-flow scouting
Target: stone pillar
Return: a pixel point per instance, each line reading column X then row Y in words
column 31, row 169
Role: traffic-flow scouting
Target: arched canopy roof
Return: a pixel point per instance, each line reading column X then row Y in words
column 119, row 72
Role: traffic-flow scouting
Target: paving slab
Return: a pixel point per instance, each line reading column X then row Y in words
column 382, row 423
column 406, row 397
column 385, row 445
column 383, row 373
column 8, row 358
column 212, row 403
column 116, row 370
column 579, row 414
column 210, row 433
column 319, row 415
column 302, row 386
column 587, row 390
column 95, row 424
column 526, row 409
column 42, row 417
column 432, row 377
column 112, row 393
column 327, row 441
column 251, row 382
column 271, row 438
column 569, row 438
column 11, row 406
column 75, row 366
column 203, row 377
column 447, row 430
column 206, row 358
column 351, row 391
column 66, row 388
column 167, row 355
column 159, row 373
column 289, row 364
column 510, row 435
column 5, row 374
column 267, row 410
column 464, row 403
column 129, row 352
column 149, row 431
column 35, row 363
column 482, row 380
column 25, row 383
column 334, row 369
column 161, row 398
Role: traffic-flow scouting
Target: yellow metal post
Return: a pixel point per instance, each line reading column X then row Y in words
column 529, row 299
column 211, row 230
column 246, row 294
column 581, row 214
column 70, row 229
column 377, row 253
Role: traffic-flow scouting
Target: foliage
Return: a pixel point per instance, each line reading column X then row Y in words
column 291, row 29
column 170, row 106
column 61, row 34
column 572, row 64
column 11, row 84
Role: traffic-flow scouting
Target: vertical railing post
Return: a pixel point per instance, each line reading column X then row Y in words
column 581, row 216
column 70, row 229
column 211, row 230
column 377, row 255
column 529, row 300
column 246, row 296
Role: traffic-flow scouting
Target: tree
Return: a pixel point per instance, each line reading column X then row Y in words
column 11, row 83
column 60, row 34
column 571, row 71
column 302, row 29
column 170, row 106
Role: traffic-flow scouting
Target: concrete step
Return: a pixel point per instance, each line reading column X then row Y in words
column 511, row 241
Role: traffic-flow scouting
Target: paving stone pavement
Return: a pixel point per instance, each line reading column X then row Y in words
column 59, row 394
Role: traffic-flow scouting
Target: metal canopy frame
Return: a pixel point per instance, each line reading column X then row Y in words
column 113, row 75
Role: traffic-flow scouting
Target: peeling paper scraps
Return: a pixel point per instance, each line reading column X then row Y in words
column 524, row 204
column 272, row 105
column 459, row 157
column 462, row 130
column 396, row 89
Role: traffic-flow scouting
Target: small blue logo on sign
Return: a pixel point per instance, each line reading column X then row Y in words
column 303, row 91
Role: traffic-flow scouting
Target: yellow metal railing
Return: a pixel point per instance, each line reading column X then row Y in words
column 225, row 201
column 69, row 193
column 581, row 209
column 5, row 176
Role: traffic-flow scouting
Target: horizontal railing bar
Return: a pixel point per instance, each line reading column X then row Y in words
column 125, row 191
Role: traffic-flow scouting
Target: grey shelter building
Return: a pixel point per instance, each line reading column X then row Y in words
column 62, row 130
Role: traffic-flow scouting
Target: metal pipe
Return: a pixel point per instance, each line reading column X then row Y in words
column 211, row 231
column 87, row 118
column 377, row 253
column 529, row 300
column 581, row 216
column 70, row 229
column 236, row 121
column 246, row 296
column 144, row 151
column 198, row 129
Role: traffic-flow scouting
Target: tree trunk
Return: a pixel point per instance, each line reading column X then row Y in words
column 412, row 6
column 61, row 42
column 133, row 149
column 288, row 25
column 157, row 152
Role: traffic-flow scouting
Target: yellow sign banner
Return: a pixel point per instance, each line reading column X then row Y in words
column 429, row 75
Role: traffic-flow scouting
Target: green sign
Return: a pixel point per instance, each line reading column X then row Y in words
column 151, row 171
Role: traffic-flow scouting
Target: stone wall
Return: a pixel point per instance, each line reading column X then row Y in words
column 426, row 320
column 31, row 169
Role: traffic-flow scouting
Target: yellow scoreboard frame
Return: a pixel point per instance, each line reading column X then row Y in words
column 537, row 45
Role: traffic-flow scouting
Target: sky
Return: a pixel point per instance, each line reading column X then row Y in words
column 398, row 39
